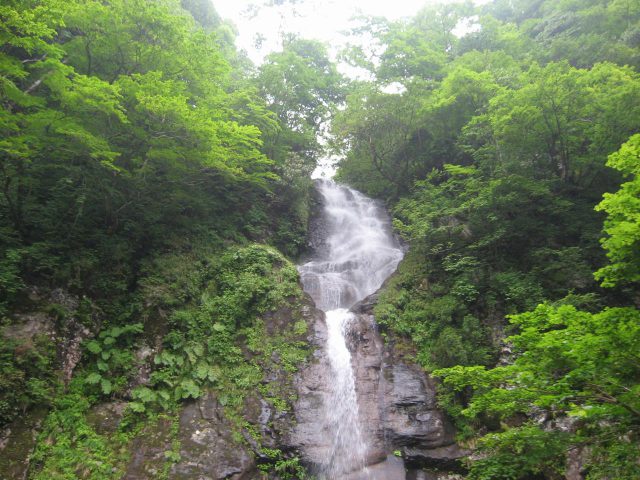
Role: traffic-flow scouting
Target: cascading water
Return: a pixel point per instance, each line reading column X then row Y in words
column 359, row 253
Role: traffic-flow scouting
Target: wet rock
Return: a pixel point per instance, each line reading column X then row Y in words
column 367, row 358
column 144, row 356
column 576, row 463
column 407, row 385
column 366, row 305
column 71, row 348
column 443, row 458
column 27, row 325
column 411, row 416
column 312, row 387
column 72, row 328
column 432, row 475
column 106, row 417
column 211, row 446
column 17, row 441
column 149, row 451
column 55, row 315
column 391, row 468
column 318, row 225
column 396, row 402
column 207, row 447
column 260, row 413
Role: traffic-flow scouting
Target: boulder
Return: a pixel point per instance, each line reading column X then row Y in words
column 148, row 451
column 208, row 449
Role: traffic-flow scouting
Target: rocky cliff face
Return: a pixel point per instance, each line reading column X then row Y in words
column 397, row 407
column 408, row 436
column 213, row 446
column 60, row 319
column 396, row 402
column 203, row 440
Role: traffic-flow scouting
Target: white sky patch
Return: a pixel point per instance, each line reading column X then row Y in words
column 324, row 20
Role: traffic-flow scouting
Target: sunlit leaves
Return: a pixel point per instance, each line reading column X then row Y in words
column 623, row 219
column 567, row 362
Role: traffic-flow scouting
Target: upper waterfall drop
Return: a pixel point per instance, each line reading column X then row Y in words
column 358, row 254
column 360, row 251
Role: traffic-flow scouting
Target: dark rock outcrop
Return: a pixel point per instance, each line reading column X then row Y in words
column 396, row 402
column 400, row 398
column 17, row 442
column 318, row 227
column 213, row 447
column 207, row 447
column 312, row 387
column 148, row 451
column 62, row 318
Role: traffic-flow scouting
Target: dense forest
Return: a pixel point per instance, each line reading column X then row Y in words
column 156, row 192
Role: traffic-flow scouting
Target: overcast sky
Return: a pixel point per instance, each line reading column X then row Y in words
column 320, row 19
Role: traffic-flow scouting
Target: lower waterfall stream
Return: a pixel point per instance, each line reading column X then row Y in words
column 357, row 254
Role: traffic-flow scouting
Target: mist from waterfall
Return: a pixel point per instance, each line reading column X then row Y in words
column 358, row 254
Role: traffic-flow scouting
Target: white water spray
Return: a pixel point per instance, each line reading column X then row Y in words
column 360, row 253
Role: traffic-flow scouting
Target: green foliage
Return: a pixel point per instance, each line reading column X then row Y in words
column 216, row 340
column 124, row 134
column 69, row 447
column 521, row 452
column 472, row 241
column 302, row 87
column 583, row 32
column 570, row 364
column 28, row 375
column 114, row 360
column 10, row 281
column 287, row 468
column 223, row 301
column 138, row 151
column 444, row 331
column 130, row 129
column 623, row 219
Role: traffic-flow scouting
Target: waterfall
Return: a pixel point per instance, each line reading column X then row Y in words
column 358, row 254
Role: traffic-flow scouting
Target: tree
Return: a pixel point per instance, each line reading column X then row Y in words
column 491, row 152
column 301, row 86
column 47, row 106
column 120, row 123
column 623, row 219
column 379, row 130
column 561, row 122
column 420, row 48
